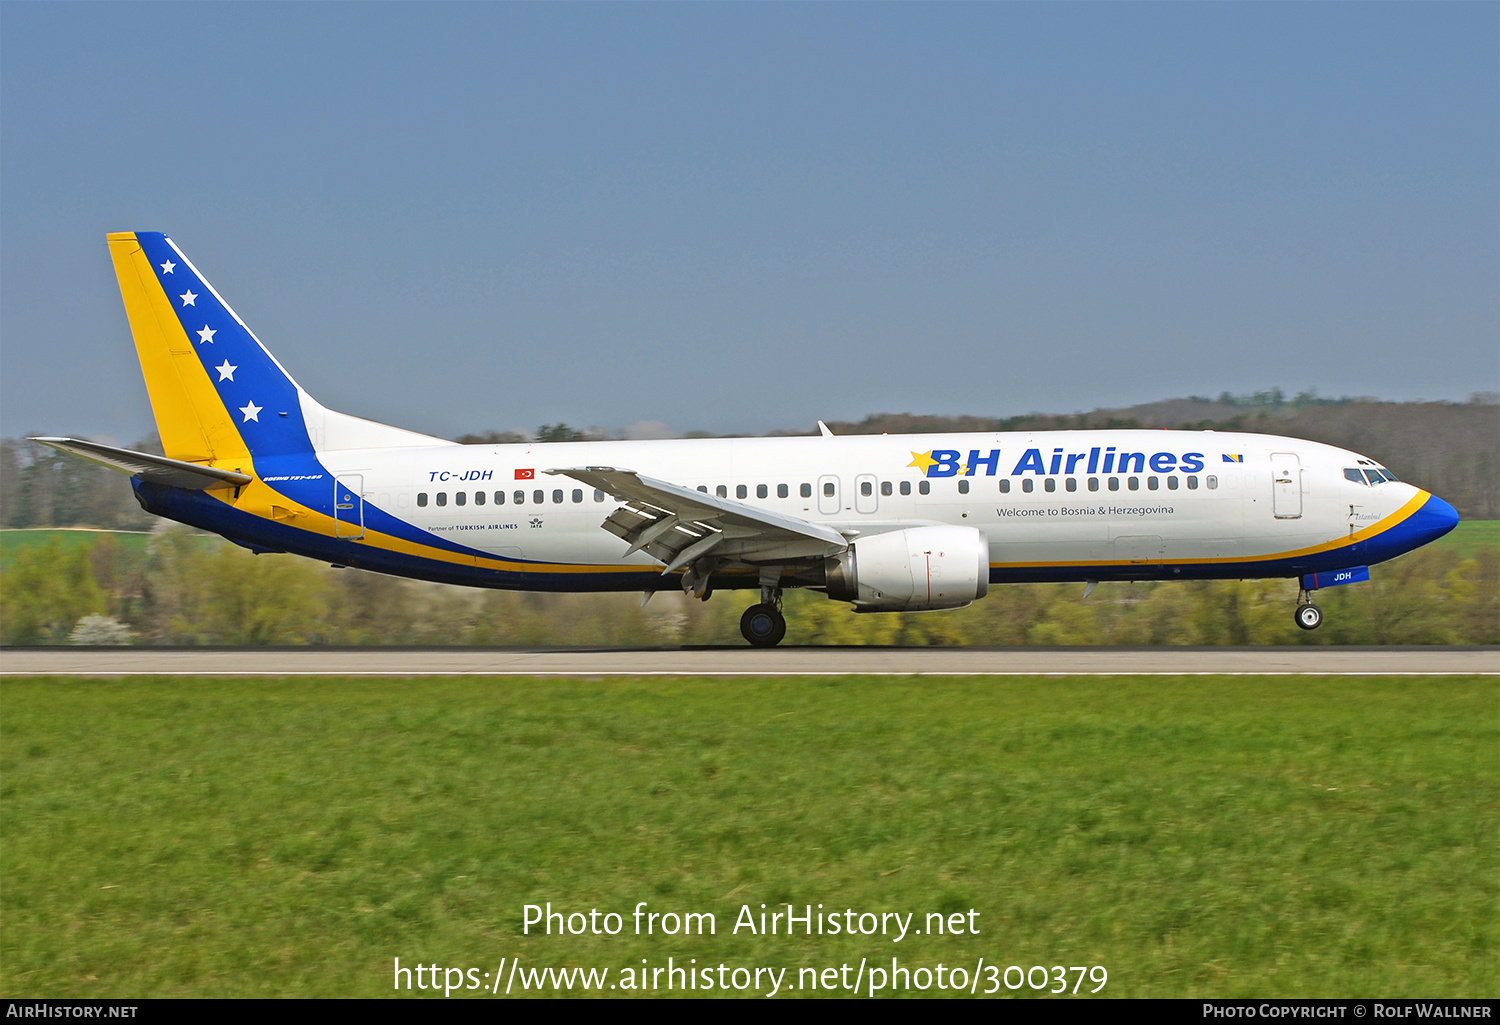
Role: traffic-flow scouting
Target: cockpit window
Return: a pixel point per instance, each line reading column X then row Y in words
column 1390, row 476
column 1375, row 476
column 1350, row 473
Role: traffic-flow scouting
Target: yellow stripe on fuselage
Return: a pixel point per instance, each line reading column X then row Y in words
column 261, row 500
column 1405, row 512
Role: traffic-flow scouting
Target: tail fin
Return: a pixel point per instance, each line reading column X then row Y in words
column 216, row 391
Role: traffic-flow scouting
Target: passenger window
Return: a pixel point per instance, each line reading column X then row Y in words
column 885, row 488
column 520, row 497
column 828, row 489
column 761, row 491
column 421, row 498
column 867, row 489
column 906, row 487
column 1152, row 483
column 598, row 495
column 1211, row 481
column 1028, row 485
column 782, row 491
column 1192, row 482
column 703, row 488
column 1093, row 483
column 925, row 487
column 461, row 498
column 963, row 487
column 805, row 491
column 557, row 497
column 1134, row 482
column 1114, row 484
column 1350, row 473
column 479, row 498
column 538, row 497
column 1050, row 484
column 499, row 498
column 740, row 491
column 442, row 498
column 577, row 495
column 1005, row 485
column 1171, row 483
column 721, row 491
column 1072, row 483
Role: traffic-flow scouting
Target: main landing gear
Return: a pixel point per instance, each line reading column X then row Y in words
column 763, row 625
column 1308, row 615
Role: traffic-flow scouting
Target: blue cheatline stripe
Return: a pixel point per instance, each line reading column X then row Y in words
column 1435, row 518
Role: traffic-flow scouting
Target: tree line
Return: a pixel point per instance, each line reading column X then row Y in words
column 180, row 588
column 1451, row 449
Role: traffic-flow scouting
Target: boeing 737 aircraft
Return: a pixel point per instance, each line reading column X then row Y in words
column 886, row 523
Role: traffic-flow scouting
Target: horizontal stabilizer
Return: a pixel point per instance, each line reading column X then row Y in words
column 156, row 469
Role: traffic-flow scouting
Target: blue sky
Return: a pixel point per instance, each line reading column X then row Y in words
column 735, row 218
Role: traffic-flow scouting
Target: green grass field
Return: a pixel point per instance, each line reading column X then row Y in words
column 1470, row 536
column 1220, row 836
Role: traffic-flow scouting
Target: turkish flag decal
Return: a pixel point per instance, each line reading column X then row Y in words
column 525, row 475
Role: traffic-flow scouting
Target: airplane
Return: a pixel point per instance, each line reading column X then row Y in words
column 887, row 523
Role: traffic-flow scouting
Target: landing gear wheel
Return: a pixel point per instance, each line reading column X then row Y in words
column 1309, row 616
column 763, row 625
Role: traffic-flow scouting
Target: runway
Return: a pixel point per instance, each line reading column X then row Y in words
column 813, row 661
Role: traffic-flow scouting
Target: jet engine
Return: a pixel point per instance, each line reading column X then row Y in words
column 912, row 570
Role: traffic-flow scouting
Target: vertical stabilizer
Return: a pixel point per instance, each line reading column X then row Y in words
column 216, row 392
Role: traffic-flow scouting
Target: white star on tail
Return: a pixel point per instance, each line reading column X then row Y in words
column 252, row 412
column 207, row 334
column 166, row 268
column 187, row 297
column 226, row 373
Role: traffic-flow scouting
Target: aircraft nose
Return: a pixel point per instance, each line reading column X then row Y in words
column 1434, row 519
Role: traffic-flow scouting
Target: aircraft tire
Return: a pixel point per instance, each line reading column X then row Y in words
column 1309, row 616
column 763, row 626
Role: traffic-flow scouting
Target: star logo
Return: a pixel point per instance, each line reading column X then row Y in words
column 252, row 412
column 207, row 334
column 226, row 372
column 166, row 268
column 187, row 297
column 923, row 461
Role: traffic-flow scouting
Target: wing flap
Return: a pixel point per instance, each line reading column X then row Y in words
column 148, row 467
column 676, row 525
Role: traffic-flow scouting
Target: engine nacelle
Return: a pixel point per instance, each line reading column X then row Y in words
column 912, row 570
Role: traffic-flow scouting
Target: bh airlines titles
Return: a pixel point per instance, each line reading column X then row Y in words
column 951, row 462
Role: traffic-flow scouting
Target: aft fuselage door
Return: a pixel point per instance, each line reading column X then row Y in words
column 1286, row 484
column 349, row 506
column 865, row 498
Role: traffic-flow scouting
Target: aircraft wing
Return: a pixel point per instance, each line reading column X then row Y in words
column 156, row 469
column 677, row 525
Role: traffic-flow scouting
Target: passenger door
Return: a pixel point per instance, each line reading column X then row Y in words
column 1286, row 484
column 349, row 506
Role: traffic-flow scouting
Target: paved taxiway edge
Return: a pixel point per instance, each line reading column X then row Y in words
column 1289, row 661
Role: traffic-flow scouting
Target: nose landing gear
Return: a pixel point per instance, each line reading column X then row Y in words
column 1308, row 615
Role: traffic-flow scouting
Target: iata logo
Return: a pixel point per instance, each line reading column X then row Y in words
column 949, row 462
